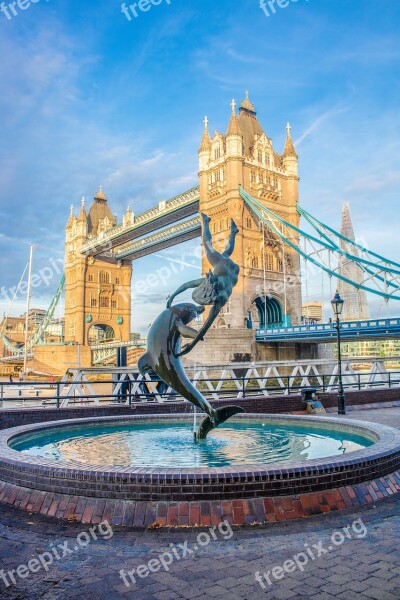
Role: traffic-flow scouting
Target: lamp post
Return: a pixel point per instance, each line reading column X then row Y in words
column 337, row 305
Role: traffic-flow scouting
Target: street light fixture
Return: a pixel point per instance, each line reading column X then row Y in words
column 337, row 306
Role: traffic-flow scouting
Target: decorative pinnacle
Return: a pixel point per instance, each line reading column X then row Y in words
column 233, row 106
column 205, row 122
column 247, row 94
column 83, row 201
column 288, row 128
column 72, row 209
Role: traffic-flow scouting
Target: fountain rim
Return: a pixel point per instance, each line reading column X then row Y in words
column 386, row 442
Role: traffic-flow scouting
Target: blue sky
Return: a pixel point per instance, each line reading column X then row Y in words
column 88, row 97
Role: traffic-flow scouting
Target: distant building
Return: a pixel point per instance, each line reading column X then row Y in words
column 311, row 312
column 355, row 300
column 371, row 348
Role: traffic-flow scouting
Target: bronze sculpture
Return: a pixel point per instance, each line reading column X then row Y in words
column 164, row 346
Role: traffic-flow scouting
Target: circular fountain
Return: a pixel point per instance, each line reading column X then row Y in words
column 153, row 460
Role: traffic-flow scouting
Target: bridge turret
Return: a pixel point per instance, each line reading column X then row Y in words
column 289, row 156
column 82, row 223
column 205, row 148
column 234, row 137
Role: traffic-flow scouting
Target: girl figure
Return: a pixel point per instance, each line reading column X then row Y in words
column 216, row 288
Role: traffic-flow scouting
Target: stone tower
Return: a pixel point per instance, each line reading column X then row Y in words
column 97, row 290
column 268, row 293
column 355, row 300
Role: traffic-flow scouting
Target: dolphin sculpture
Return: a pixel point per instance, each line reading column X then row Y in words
column 163, row 359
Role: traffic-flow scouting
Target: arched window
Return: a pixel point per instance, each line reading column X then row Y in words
column 104, row 277
column 269, row 261
column 104, row 302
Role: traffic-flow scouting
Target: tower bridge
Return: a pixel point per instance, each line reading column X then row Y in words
column 241, row 177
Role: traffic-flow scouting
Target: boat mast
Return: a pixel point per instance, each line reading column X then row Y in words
column 28, row 298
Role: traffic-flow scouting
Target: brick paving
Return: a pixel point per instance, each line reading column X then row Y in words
column 363, row 562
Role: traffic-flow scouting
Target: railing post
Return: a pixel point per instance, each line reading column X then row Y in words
column 58, row 394
column 359, row 380
column 243, row 388
column 390, row 383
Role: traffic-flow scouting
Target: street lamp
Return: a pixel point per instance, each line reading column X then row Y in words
column 337, row 305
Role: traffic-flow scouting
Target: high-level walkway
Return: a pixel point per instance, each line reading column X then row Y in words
column 364, row 566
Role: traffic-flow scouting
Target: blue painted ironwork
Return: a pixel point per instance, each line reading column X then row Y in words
column 269, row 311
column 326, row 332
column 378, row 270
column 39, row 332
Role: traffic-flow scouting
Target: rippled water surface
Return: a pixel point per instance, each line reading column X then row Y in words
column 171, row 444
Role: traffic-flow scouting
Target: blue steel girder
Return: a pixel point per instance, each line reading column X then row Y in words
column 289, row 234
column 182, row 232
column 326, row 332
column 145, row 224
column 41, row 328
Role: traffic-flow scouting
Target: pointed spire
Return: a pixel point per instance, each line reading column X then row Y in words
column 234, row 127
column 346, row 228
column 101, row 195
column 82, row 215
column 71, row 216
column 289, row 147
column 247, row 105
column 205, row 140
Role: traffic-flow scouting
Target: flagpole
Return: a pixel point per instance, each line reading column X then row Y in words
column 28, row 298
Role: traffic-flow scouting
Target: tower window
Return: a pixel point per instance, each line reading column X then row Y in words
column 90, row 278
column 217, row 153
column 104, row 302
column 117, row 281
column 93, row 302
column 279, row 265
column 113, row 304
column 260, row 156
column 269, row 261
column 104, row 277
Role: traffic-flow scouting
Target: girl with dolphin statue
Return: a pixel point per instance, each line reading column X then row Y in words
column 164, row 342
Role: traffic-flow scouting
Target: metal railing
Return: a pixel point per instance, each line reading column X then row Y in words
column 137, row 389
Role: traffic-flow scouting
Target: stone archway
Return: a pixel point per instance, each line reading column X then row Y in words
column 100, row 333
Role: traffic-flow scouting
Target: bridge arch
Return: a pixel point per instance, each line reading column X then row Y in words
column 269, row 312
column 99, row 333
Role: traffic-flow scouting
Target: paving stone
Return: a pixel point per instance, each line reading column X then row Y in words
column 377, row 594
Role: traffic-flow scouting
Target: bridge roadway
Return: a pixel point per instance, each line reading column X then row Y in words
column 166, row 213
column 326, row 332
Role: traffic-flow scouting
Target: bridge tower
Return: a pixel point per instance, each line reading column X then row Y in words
column 268, row 293
column 97, row 289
